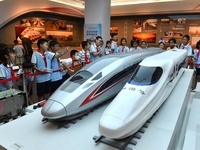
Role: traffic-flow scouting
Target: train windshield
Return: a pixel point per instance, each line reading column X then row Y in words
column 144, row 75
column 78, row 79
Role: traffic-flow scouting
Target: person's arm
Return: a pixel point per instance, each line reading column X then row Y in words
column 63, row 52
column 37, row 69
column 67, row 67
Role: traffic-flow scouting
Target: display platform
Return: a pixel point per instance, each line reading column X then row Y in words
column 30, row 133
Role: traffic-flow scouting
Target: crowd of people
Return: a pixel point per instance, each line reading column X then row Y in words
column 50, row 72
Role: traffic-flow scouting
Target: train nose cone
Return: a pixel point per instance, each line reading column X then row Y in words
column 111, row 126
column 53, row 110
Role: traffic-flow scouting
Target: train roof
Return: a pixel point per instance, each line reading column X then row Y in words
column 165, row 57
column 100, row 63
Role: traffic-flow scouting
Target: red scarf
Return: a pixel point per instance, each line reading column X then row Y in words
column 97, row 49
column 123, row 48
column 86, row 58
column 171, row 47
column 44, row 57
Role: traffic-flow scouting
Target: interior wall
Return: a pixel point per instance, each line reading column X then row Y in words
column 8, row 34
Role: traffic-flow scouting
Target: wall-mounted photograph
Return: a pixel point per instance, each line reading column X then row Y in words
column 194, row 30
column 168, row 34
column 37, row 22
column 178, row 27
column 181, row 20
column 137, row 22
column 178, row 34
column 150, row 24
column 61, row 36
column 30, row 32
column 164, row 21
column 149, row 37
column 137, row 29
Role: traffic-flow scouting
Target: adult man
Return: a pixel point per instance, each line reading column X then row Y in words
column 95, row 49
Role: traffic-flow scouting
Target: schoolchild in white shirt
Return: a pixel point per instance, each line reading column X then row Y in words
column 6, row 71
column 123, row 48
column 114, row 43
column 186, row 45
column 144, row 44
column 108, row 49
column 197, row 61
column 135, row 45
column 172, row 44
column 42, row 64
column 71, row 64
column 84, row 54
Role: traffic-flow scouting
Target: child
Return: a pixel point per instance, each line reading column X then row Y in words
column 122, row 48
column 6, row 71
column 19, row 53
column 56, row 76
column 197, row 62
column 108, row 48
column 135, row 45
column 161, row 45
column 85, row 54
column 114, row 43
column 172, row 44
column 186, row 45
column 26, row 69
column 144, row 44
column 70, row 64
column 42, row 64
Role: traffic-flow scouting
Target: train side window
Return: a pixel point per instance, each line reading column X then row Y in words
column 117, row 77
column 97, row 76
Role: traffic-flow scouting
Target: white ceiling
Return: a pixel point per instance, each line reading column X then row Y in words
column 140, row 7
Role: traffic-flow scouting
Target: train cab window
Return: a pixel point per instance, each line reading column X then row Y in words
column 146, row 75
column 78, row 79
column 97, row 77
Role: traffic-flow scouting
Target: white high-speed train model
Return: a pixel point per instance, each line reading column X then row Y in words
column 93, row 84
column 149, row 86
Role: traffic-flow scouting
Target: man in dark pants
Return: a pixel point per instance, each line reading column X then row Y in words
column 27, row 43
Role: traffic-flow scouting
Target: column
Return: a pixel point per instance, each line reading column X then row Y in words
column 98, row 12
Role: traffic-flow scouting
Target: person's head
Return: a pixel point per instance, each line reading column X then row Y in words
column 108, row 44
column 6, row 55
column 114, row 37
column 74, row 54
column 172, row 42
column 161, row 45
column 54, row 45
column 21, row 36
column 27, row 67
column 134, row 42
column 198, row 45
column 144, row 44
column 42, row 44
column 85, row 45
column 98, row 40
column 15, row 42
column 185, row 39
column 50, row 37
column 123, row 41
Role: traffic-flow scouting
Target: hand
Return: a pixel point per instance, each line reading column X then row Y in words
column 45, row 70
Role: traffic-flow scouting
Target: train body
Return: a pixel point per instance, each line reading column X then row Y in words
column 146, row 90
column 93, row 84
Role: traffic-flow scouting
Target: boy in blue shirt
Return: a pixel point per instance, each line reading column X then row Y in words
column 42, row 64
